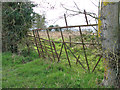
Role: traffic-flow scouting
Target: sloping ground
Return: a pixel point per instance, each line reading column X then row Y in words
column 32, row 72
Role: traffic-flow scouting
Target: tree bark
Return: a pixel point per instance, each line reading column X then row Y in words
column 109, row 32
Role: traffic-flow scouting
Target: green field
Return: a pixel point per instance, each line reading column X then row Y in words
column 23, row 71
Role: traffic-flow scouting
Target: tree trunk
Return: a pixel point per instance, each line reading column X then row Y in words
column 109, row 32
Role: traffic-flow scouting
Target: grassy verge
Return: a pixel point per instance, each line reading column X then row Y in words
column 32, row 72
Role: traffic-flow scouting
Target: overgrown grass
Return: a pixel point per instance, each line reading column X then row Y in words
column 29, row 71
column 21, row 71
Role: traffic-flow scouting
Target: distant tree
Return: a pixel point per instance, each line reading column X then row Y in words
column 16, row 20
column 39, row 21
column 51, row 26
column 57, row 29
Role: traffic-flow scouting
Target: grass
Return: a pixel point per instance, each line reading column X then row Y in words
column 32, row 72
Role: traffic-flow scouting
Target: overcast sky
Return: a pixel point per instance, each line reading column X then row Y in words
column 54, row 12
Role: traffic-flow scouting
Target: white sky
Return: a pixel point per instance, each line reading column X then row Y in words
column 54, row 11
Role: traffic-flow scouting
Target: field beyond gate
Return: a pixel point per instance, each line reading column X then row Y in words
column 75, row 47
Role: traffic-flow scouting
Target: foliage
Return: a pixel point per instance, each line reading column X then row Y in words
column 51, row 26
column 56, row 29
column 14, row 59
column 17, row 19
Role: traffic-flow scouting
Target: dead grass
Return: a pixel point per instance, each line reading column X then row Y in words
column 57, row 35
